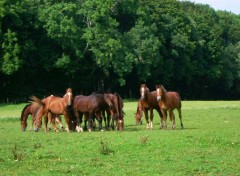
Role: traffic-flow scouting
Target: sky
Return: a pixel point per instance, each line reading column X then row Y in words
column 228, row 5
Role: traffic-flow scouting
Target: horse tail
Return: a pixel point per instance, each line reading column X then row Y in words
column 36, row 100
column 119, row 106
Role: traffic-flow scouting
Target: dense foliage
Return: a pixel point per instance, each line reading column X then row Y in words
column 47, row 46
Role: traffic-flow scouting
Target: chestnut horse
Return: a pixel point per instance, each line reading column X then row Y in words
column 148, row 101
column 114, row 110
column 31, row 109
column 89, row 106
column 54, row 105
column 168, row 101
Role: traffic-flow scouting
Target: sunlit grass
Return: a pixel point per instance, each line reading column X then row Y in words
column 209, row 145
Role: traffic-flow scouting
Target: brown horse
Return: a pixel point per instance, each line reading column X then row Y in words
column 54, row 105
column 114, row 110
column 31, row 109
column 168, row 101
column 89, row 106
column 148, row 101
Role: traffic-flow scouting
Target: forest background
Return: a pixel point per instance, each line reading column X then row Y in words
column 115, row 45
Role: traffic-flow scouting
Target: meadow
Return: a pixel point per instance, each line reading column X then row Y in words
column 209, row 145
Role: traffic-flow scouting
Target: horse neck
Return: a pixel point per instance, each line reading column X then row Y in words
column 139, row 109
column 164, row 95
column 25, row 112
column 67, row 98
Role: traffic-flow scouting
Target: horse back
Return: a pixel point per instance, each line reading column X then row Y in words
column 55, row 104
column 174, row 99
column 87, row 103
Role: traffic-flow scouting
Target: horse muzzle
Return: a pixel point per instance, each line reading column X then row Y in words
column 158, row 98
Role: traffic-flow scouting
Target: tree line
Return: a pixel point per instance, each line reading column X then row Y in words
column 115, row 45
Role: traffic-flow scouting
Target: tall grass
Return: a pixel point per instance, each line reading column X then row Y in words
column 209, row 145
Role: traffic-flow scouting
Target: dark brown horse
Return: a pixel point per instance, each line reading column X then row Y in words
column 114, row 110
column 148, row 101
column 54, row 105
column 89, row 106
column 168, row 101
column 31, row 109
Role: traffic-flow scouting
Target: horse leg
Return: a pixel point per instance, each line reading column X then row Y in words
column 151, row 119
column 180, row 117
column 164, row 113
column 99, row 117
column 90, row 122
column 53, row 119
column 46, row 122
column 33, row 119
column 172, row 119
column 79, row 121
column 86, row 117
column 66, row 117
column 38, row 119
column 161, row 118
column 59, row 121
column 146, row 117
column 108, row 120
column 113, row 119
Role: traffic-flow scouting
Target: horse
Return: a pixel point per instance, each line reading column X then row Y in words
column 31, row 109
column 54, row 105
column 115, row 110
column 168, row 101
column 147, row 102
column 88, row 106
column 138, row 114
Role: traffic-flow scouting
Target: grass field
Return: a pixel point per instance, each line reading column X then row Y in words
column 209, row 145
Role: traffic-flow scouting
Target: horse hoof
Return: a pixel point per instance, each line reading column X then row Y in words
column 36, row 129
column 24, row 129
column 102, row 130
column 90, row 130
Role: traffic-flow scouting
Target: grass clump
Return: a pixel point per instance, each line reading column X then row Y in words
column 104, row 148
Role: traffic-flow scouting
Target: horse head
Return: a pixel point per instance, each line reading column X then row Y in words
column 108, row 99
column 120, row 124
column 69, row 96
column 161, row 91
column 143, row 90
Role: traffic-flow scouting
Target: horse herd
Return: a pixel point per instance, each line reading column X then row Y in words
column 88, row 109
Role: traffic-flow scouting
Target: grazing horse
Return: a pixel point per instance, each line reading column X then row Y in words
column 54, row 105
column 148, row 101
column 168, row 101
column 88, row 106
column 31, row 109
column 114, row 110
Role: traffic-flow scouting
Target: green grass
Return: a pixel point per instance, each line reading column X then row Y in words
column 209, row 145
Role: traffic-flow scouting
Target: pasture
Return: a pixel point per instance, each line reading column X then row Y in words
column 209, row 145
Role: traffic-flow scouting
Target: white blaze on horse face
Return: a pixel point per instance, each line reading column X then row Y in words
column 158, row 94
column 69, row 98
column 142, row 92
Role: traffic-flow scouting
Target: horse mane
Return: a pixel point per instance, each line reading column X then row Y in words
column 23, row 111
column 164, row 90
